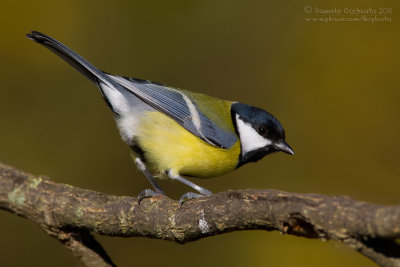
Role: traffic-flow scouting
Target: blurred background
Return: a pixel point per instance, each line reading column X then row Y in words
column 334, row 86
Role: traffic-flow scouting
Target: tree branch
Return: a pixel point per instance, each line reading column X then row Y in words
column 70, row 214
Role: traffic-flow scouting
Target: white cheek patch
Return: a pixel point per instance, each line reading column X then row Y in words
column 249, row 138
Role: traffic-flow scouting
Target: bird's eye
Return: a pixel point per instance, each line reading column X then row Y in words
column 262, row 131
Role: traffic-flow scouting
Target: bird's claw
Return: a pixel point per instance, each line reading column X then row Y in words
column 190, row 195
column 149, row 193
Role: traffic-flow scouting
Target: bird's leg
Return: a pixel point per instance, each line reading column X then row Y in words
column 189, row 195
column 148, row 192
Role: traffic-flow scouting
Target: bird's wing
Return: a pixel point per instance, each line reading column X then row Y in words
column 179, row 107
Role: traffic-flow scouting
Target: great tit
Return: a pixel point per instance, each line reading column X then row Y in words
column 175, row 132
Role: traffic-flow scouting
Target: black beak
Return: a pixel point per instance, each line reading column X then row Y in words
column 284, row 147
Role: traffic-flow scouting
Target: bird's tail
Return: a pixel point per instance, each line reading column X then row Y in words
column 82, row 65
column 75, row 60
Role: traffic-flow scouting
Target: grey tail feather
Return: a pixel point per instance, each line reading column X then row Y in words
column 75, row 60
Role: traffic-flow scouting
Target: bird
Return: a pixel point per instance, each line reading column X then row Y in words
column 176, row 133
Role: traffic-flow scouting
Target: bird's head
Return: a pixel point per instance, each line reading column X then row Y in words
column 260, row 133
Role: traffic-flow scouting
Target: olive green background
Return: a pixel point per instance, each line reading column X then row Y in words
column 334, row 86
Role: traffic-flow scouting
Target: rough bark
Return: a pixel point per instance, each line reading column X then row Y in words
column 70, row 214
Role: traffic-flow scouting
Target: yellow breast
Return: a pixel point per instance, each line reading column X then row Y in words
column 169, row 146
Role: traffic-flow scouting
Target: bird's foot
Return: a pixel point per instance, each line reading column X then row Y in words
column 190, row 195
column 149, row 193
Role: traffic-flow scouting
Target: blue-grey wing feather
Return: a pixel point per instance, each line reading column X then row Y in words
column 172, row 103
